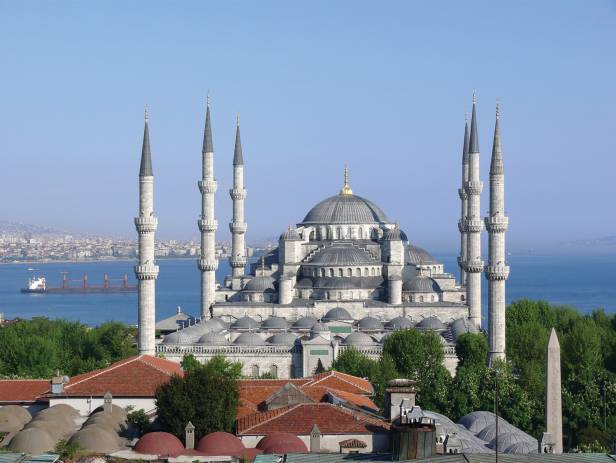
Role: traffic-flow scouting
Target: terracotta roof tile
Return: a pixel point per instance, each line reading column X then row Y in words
column 23, row 390
column 353, row 444
column 342, row 382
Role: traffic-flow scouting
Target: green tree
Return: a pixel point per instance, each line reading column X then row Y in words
column 472, row 350
column 189, row 362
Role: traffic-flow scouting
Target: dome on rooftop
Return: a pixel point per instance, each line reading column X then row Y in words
column 421, row 284
column 220, row 444
column 260, row 284
column 274, row 323
column 282, row 339
column 118, row 413
column 416, row 255
column 245, row 323
column 281, row 443
column 53, row 428
column 304, row 323
column 399, row 323
column 343, row 254
column 213, row 339
column 462, row 326
column 431, row 323
column 358, row 338
column 62, row 409
column 33, row 441
column 13, row 417
column 345, row 209
column 370, row 324
column 163, row 444
column 290, row 235
column 95, row 439
column 337, row 314
column 249, row 339
column 319, row 327
column 476, row 421
column 394, row 234
column 524, row 447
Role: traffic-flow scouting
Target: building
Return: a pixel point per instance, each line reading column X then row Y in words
column 346, row 275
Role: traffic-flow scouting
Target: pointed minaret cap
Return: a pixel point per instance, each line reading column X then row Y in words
column 208, row 146
column 496, row 164
column 145, row 170
column 346, row 188
column 465, row 145
column 238, row 158
column 474, row 138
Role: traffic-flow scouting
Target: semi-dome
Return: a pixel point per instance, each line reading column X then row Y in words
column 274, row 323
column 249, row 339
column 394, row 234
column 33, row 441
column 95, row 439
column 260, row 284
column 462, row 326
column 417, row 256
column 345, row 209
column 370, row 324
column 220, row 444
column 282, row 339
column 399, row 323
column 245, row 323
column 163, row 444
column 358, row 338
column 213, row 339
column 431, row 323
column 337, row 314
column 304, row 323
column 343, row 254
column 281, row 443
column 421, row 284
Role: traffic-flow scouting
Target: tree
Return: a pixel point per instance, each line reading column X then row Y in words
column 139, row 420
column 206, row 395
column 472, row 350
column 189, row 362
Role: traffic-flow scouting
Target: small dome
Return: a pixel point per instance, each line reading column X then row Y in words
column 213, row 339
column 188, row 335
column 319, row 327
column 370, row 324
column 524, row 447
column 462, row 326
column 399, row 323
column 95, row 439
column 417, row 256
column 281, row 443
column 104, row 420
column 475, row 422
column 163, row 444
column 219, row 321
column 507, row 439
column 421, row 284
column 337, row 314
column 249, row 339
column 358, row 338
column 260, row 285
column 33, row 441
column 54, row 429
column 283, row 339
column 220, row 444
column 118, row 413
column 345, row 209
column 342, row 254
column 245, row 323
column 394, row 234
column 304, row 323
column 290, row 235
column 59, row 419
column 431, row 323
column 18, row 413
column 63, row 409
column 274, row 323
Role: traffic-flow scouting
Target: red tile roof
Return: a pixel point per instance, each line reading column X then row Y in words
column 342, row 382
column 299, row 420
column 137, row 376
column 23, row 390
column 353, row 444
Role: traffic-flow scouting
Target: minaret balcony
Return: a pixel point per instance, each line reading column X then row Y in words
column 146, row 271
column 208, row 186
column 461, row 260
column 238, row 227
column 207, row 265
column 474, row 187
column 462, row 226
column 474, row 266
column 462, row 194
column 474, row 225
column 238, row 261
column 208, row 225
column 497, row 272
column 146, row 224
column 497, row 224
column 237, row 193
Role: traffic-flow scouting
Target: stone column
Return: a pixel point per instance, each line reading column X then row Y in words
column 238, row 195
column 553, row 400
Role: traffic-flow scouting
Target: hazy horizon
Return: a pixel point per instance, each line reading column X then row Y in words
column 380, row 87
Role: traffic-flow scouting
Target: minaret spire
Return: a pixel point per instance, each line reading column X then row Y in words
column 207, row 222
column 146, row 271
column 464, row 205
column 473, row 224
column 238, row 226
column 496, row 271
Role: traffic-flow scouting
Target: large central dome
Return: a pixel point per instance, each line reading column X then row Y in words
column 344, row 209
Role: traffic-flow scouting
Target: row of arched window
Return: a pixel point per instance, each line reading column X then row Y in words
column 346, row 233
column 341, row 272
column 255, row 371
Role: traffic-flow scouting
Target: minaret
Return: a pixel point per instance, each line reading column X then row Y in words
column 146, row 271
column 464, row 203
column 238, row 194
column 553, row 393
column 496, row 270
column 474, row 225
column 207, row 222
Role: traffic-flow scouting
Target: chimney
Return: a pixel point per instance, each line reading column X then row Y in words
column 399, row 393
column 315, row 440
column 57, row 383
column 413, row 435
column 107, row 399
column 546, row 443
column 190, row 436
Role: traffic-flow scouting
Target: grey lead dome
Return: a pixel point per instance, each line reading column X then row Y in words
column 341, row 254
column 345, row 209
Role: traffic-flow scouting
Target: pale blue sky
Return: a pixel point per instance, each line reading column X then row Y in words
column 382, row 86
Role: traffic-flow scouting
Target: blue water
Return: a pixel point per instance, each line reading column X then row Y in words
column 583, row 281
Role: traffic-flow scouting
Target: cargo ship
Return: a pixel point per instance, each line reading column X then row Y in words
column 38, row 285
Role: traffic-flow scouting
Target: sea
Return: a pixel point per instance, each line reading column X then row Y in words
column 584, row 281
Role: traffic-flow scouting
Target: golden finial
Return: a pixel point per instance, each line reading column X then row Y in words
column 474, row 97
column 346, row 188
column 208, row 99
column 146, row 116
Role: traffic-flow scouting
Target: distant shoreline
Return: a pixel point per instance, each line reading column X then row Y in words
column 88, row 261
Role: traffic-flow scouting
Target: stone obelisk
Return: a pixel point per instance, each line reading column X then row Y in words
column 553, row 401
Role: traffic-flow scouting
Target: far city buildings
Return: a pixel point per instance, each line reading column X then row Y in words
column 344, row 277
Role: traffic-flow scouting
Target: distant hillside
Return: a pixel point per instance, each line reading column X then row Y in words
column 22, row 229
column 606, row 242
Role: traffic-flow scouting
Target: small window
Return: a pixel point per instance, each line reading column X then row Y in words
column 274, row 371
column 350, row 272
column 254, row 371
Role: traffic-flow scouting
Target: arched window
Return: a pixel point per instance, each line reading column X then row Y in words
column 339, row 233
column 331, row 272
column 366, row 272
column 372, row 271
column 350, row 272
column 322, row 272
column 340, row 272
column 432, row 298
column 421, row 299
column 462, row 297
column 360, row 233
column 311, row 238
column 274, row 371
column 339, row 296
column 357, row 272
column 254, row 371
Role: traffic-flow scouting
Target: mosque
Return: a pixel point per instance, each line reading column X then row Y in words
column 346, row 276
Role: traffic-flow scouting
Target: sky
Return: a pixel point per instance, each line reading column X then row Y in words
column 380, row 86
